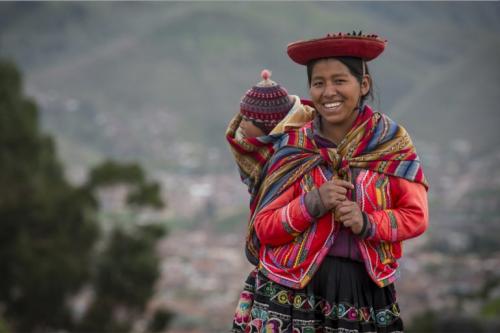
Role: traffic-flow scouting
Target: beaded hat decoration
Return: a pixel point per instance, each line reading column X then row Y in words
column 266, row 103
column 366, row 47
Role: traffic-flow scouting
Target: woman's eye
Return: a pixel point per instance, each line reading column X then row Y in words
column 317, row 84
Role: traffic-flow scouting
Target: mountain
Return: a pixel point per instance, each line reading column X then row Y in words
column 458, row 102
column 158, row 82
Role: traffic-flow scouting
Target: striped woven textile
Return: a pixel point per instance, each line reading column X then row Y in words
column 270, row 164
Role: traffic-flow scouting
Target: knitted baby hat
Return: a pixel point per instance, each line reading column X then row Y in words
column 266, row 104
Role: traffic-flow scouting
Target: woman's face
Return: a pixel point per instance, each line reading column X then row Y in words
column 335, row 92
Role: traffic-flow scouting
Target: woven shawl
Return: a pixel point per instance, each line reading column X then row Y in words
column 270, row 164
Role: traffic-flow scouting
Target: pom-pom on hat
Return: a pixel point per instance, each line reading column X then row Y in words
column 366, row 47
column 266, row 103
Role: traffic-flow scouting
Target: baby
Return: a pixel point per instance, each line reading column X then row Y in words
column 266, row 111
column 263, row 107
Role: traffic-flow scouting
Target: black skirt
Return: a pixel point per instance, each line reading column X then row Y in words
column 340, row 298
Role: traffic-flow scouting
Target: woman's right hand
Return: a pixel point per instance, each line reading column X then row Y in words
column 334, row 192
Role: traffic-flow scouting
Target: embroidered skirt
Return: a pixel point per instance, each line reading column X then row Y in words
column 340, row 298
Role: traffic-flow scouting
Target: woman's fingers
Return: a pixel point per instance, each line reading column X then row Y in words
column 343, row 208
column 334, row 192
column 345, row 218
column 349, row 214
column 335, row 198
column 338, row 189
column 331, row 195
column 342, row 183
column 333, row 187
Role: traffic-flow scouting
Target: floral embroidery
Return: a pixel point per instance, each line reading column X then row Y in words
column 254, row 317
column 243, row 309
column 274, row 325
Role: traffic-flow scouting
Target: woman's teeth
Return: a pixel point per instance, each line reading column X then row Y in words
column 332, row 106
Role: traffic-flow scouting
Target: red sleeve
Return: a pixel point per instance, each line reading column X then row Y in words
column 408, row 218
column 283, row 219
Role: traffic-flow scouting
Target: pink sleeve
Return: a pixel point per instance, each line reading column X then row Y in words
column 407, row 219
column 283, row 219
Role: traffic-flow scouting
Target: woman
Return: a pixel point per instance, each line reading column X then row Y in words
column 339, row 196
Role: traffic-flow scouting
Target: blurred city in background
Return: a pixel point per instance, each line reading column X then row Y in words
column 121, row 208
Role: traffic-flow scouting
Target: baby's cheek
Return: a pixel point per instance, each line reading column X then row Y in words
column 250, row 130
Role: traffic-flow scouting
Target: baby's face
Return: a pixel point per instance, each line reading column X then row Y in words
column 249, row 130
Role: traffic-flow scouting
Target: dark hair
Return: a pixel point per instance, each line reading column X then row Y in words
column 355, row 66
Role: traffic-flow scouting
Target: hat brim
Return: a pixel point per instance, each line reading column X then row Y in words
column 366, row 48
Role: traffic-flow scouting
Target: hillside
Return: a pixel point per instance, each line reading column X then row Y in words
column 459, row 102
column 158, row 82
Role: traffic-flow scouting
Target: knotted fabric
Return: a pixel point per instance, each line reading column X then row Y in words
column 270, row 164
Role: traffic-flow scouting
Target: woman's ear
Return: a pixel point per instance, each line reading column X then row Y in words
column 365, row 84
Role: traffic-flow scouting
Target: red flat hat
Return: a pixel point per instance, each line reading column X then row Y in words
column 366, row 47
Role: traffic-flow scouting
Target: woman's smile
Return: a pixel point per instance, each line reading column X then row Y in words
column 336, row 94
column 334, row 91
column 332, row 107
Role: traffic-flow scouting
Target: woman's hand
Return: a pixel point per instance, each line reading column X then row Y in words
column 349, row 214
column 333, row 192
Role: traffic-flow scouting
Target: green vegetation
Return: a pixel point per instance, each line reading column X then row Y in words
column 50, row 229
column 491, row 309
column 126, row 272
column 158, row 83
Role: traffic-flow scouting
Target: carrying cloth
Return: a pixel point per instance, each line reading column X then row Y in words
column 270, row 164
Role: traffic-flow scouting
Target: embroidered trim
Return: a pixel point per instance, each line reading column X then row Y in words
column 303, row 208
column 304, row 275
column 301, row 302
column 394, row 225
column 284, row 222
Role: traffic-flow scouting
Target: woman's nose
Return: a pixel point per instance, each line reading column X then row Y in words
column 330, row 90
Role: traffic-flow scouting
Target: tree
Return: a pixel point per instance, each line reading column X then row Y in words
column 126, row 272
column 127, row 266
column 49, row 230
column 48, row 227
column 110, row 173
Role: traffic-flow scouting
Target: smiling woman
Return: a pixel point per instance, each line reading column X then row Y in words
column 336, row 94
column 335, row 201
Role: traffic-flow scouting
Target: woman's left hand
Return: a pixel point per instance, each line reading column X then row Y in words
column 349, row 214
